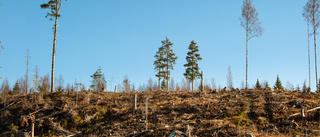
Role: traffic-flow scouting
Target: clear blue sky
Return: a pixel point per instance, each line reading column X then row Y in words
column 122, row 36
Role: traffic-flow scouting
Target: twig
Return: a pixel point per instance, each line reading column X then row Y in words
column 8, row 132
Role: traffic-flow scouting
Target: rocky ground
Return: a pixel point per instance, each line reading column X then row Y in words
column 213, row 113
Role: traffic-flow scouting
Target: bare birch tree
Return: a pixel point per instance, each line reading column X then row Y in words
column 229, row 79
column 27, row 72
column 307, row 16
column 312, row 6
column 250, row 22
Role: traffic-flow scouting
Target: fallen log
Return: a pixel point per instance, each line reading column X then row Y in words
column 299, row 113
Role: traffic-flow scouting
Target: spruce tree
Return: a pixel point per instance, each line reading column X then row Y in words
column 258, row 85
column 98, row 82
column 16, row 89
column 192, row 71
column 159, row 65
column 278, row 84
column 163, row 85
column 169, row 59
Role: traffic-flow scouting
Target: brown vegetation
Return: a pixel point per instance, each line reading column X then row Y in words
column 213, row 113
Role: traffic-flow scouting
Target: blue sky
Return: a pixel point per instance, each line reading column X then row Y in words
column 122, row 36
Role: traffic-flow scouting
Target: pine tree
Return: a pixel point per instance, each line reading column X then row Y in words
column 192, row 72
column 169, row 59
column 278, row 84
column 98, row 82
column 258, row 85
column 159, row 65
column 54, row 6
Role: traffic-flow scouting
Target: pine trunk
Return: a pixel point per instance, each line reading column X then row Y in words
column 192, row 75
column 192, row 84
column 315, row 53
column 309, row 58
column 54, row 51
column 159, row 80
column 168, row 75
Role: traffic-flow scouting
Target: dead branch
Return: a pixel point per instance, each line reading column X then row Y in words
column 61, row 129
column 9, row 105
column 16, row 131
column 299, row 113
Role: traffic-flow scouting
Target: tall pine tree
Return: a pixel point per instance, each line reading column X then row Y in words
column 54, row 6
column 192, row 71
column 159, row 65
column 169, row 59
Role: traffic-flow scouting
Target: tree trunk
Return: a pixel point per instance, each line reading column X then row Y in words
column 315, row 53
column 192, row 84
column 247, row 56
column 192, row 75
column 159, row 80
column 54, row 50
column 309, row 57
column 167, row 73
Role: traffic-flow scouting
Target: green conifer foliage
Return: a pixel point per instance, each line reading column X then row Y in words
column 169, row 59
column 16, row 89
column 159, row 65
column 278, row 84
column 163, row 85
column 98, row 81
column 192, row 68
column 258, row 85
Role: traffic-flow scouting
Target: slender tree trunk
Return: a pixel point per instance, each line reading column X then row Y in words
column 168, row 74
column 315, row 53
column 192, row 84
column 192, row 77
column 27, row 74
column 247, row 40
column 54, row 52
column 159, row 80
column 309, row 57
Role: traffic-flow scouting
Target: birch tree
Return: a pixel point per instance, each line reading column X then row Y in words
column 307, row 16
column 312, row 7
column 250, row 22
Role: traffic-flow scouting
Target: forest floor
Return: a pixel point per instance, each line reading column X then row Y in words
column 213, row 113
